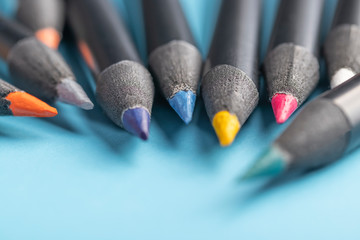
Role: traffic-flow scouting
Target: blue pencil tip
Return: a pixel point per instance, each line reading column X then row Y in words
column 137, row 122
column 271, row 164
column 183, row 103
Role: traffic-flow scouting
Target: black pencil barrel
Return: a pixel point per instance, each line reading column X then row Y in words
column 346, row 97
column 316, row 137
column 298, row 22
column 174, row 59
column 39, row 14
column 347, row 12
column 342, row 45
column 230, row 81
column 236, row 37
column 291, row 66
column 124, row 87
column 10, row 33
column 325, row 129
column 107, row 37
column 37, row 68
column 165, row 21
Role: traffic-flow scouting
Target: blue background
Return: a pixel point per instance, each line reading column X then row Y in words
column 78, row 176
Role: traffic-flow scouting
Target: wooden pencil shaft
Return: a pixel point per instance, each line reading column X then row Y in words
column 10, row 33
column 236, row 37
column 98, row 24
column 165, row 21
column 347, row 12
column 5, row 89
column 298, row 22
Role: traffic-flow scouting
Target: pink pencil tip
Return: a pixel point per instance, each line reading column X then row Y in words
column 283, row 106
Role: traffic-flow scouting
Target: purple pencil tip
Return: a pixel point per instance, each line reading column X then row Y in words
column 137, row 122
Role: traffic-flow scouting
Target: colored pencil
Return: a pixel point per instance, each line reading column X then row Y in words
column 291, row 65
column 173, row 55
column 342, row 46
column 14, row 102
column 124, row 87
column 230, row 83
column 45, row 18
column 37, row 69
column 323, row 132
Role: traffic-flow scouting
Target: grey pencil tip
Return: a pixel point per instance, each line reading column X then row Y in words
column 69, row 91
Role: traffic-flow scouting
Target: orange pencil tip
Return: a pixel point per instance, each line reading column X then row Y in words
column 26, row 105
column 87, row 55
column 49, row 36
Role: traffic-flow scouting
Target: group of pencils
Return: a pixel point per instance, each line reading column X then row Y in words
column 322, row 132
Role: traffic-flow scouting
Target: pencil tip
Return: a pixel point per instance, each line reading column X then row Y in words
column 49, row 36
column 183, row 103
column 271, row 163
column 226, row 126
column 137, row 122
column 283, row 106
column 341, row 76
column 69, row 91
column 26, row 105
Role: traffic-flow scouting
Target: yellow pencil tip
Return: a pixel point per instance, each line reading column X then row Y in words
column 226, row 126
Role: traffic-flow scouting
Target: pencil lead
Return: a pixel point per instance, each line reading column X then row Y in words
column 49, row 36
column 137, row 122
column 26, row 105
column 72, row 93
column 341, row 76
column 283, row 106
column 183, row 103
column 226, row 126
column 271, row 163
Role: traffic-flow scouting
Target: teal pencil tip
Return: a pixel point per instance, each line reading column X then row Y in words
column 272, row 163
column 183, row 103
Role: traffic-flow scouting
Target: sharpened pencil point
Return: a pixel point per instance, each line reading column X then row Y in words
column 183, row 103
column 49, row 36
column 26, row 105
column 283, row 106
column 137, row 122
column 226, row 126
column 271, row 163
column 72, row 93
column 341, row 76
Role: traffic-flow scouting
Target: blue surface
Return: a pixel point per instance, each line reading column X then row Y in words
column 78, row 176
